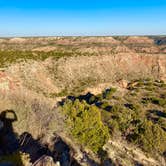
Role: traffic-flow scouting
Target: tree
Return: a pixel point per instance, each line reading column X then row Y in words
column 85, row 124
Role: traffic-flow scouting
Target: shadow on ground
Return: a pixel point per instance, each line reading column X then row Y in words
column 9, row 142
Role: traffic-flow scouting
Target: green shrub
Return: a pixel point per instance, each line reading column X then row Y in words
column 145, row 100
column 158, row 101
column 163, row 85
column 105, row 105
column 92, row 99
column 106, row 116
column 85, row 124
column 114, row 126
column 13, row 56
column 116, row 109
column 107, row 94
column 140, row 83
column 100, row 97
column 124, row 118
column 150, row 88
column 121, row 118
column 162, row 122
column 154, row 100
column 137, row 110
column 150, row 137
column 133, row 93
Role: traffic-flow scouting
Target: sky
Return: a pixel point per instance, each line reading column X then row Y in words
column 82, row 17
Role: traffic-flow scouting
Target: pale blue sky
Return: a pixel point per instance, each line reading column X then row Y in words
column 82, row 17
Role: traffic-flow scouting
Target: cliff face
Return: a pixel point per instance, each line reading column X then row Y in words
column 112, row 67
column 53, row 76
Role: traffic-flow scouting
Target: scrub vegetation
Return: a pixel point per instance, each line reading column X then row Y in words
column 139, row 120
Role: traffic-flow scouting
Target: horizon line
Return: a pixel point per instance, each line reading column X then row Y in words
column 45, row 36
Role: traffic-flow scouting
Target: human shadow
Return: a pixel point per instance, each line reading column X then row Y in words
column 37, row 151
column 8, row 138
column 33, row 147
